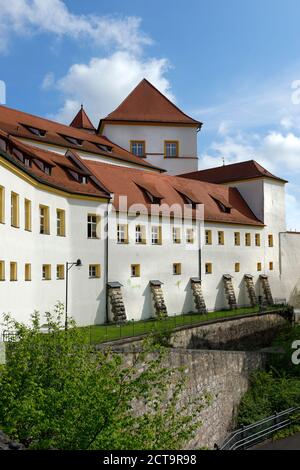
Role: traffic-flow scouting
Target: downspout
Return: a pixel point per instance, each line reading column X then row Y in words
column 106, row 264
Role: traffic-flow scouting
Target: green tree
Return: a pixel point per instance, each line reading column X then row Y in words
column 58, row 392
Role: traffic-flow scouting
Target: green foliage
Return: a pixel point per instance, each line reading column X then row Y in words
column 59, row 393
column 276, row 389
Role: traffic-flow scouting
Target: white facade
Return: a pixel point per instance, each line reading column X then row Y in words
column 154, row 137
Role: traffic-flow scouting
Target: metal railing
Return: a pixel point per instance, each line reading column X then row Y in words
column 249, row 436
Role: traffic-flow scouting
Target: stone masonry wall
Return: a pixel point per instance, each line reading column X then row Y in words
column 242, row 334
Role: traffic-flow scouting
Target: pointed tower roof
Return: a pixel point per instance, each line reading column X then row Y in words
column 82, row 121
column 147, row 104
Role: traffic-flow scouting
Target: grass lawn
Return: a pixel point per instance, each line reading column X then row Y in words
column 101, row 333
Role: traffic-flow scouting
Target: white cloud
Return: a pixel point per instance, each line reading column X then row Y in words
column 24, row 17
column 103, row 83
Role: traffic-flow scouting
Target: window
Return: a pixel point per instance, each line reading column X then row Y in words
column 2, row 270
column 176, row 269
column 46, row 272
column 208, row 268
column 221, row 238
column 156, row 238
column 171, row 148
column 190, row 235
column 176, row 234
column 237, row 238
column 140, row 234
column 208, row 237
column 2, row 205
column 248, row 239
column 60, row 222
column 135, row 270
column 270, row 241
column 257, row 239
column 13, row 271
column 14, row 210
column 137, row 147
column 122, row 233
column 27, row 213
column 27, row 275
column 44, row 220
column 27, row 161
column 35, row 130
column 60, row 271
column 258, row 266
column 94, row 271
column 93, row 221
column 271, row 266
column 237, row 267
column 72, row 140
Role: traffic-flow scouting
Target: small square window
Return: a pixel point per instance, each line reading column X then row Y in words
column 94, row 271
column 27, row 272
column 237, row 238
column 221, row 238
column 176, row 269
column 271, row 241
column 137, row 147
column 46, row 272
column 13, row 271
column 171, row 148
column 208, row 268
column 176, row 233
column 248, row 239
column 135, row 270
column 208, row 237
column 259, row 266
column 122, row 233
column 60, row 271
column 190, row 235
column 2, row 270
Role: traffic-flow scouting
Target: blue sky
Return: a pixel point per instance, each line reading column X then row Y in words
column 228, row 63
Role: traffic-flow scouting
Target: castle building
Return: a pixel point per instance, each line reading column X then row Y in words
column 153, row 233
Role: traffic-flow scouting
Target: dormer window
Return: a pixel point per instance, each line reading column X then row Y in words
column 35, row 130
column 72, row 140
column 82, row 179
column 104, row 148
column 43, row 166
column 138, row 148
column 27, row 161
column 47, row 169
column 223, row 205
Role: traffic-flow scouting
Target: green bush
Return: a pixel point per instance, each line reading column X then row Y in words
column 59, row 393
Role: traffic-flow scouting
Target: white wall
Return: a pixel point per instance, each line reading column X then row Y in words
column 290, row 266
column 154, row 137
column 21, row 298
column 224, row 257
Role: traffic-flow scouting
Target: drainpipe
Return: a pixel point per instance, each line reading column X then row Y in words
column 106, row 263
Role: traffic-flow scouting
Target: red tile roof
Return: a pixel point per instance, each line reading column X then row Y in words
column 16, row 123
column 82, row 121
column 60, row 178
column 147, row 104
column 234, row 172
column 130, row 182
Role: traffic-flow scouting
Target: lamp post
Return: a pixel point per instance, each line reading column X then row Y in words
column 68, row 267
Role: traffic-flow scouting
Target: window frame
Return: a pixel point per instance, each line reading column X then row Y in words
column 2, row 205
column 138, row 268
column 97, row 271
column 248, row 240
column 208, row 268
column 176, row 240
column 257, row 239
column 177, row 269
column 208, row 237
column 221, row 238
column 27, row 215
column 158, row 239
column 171, row 142
column 124, row 240
column 138, row 142
column 15, row 209
column 142, row 238
column 2, row 270
column 237, row 238
column 44, row 220
column 61, row 223
column 13, row 271
column 46, row 272
column 90, row 224
column 27, row 272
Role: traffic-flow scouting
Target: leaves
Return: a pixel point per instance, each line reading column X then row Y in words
column 57, row 392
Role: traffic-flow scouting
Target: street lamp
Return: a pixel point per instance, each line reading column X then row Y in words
column 68, row 267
